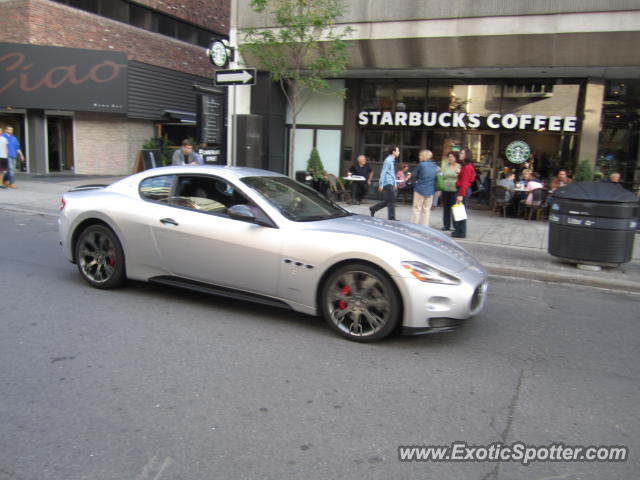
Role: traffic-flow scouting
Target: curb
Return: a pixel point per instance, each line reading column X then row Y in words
column 571, row 279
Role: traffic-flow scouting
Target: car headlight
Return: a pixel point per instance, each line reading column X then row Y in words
column 425, row 273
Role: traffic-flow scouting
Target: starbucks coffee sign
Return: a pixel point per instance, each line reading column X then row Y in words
column 510, row 121
column 517, row 152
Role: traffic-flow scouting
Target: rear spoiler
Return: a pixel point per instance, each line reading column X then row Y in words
column 93, row 186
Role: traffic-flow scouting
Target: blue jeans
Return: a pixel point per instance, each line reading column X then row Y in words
column 9, row 177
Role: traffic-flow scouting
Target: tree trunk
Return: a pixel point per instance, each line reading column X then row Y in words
column 294, row 122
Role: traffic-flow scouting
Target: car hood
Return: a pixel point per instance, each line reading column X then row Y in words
column 425, row 243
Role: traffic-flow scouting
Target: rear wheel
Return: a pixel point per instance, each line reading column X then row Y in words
column 100, row 257
column 360, row 303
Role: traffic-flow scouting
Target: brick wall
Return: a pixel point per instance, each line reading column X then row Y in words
column 212, row 14
column 30, row 21
column 14, row 22
column 106, row 144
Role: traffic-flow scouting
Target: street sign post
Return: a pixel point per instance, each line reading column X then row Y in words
column 239, row 76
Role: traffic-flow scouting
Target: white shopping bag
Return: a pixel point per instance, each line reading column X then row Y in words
column 459, row 212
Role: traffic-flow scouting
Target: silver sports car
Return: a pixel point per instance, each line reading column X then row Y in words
column 260, row 236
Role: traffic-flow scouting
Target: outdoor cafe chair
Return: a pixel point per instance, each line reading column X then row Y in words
column 501, row 199
column 538, row 203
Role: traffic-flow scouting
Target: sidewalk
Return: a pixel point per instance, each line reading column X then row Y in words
column 507, row 247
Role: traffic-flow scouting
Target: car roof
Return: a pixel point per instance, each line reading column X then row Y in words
column 222, row 170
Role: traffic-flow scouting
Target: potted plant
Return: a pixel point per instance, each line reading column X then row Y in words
column 316, row 170
column 584, row 173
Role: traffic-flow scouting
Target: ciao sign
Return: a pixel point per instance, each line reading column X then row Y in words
column 510, row 121
column 62, row 78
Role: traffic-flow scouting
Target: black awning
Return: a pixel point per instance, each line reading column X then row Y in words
column 177, row 116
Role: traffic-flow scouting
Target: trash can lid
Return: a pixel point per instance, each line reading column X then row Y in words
column 596, row 191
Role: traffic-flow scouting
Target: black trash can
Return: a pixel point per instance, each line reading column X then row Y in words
column 593, row 222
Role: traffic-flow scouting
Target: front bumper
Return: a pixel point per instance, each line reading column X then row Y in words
column 436, row 325
column 432, row 308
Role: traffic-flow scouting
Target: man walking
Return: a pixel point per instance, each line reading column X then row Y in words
column 13, row 150
column 387, row 184
column 424, row 188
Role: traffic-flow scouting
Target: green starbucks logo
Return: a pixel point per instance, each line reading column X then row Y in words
column 518, row 152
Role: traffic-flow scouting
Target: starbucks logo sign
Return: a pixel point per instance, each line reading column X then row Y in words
column 518, row 152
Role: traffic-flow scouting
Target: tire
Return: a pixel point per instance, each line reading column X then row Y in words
column 100, row 257
column 360, row 303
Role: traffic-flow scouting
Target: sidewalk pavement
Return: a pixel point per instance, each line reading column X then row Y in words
column 507, row 247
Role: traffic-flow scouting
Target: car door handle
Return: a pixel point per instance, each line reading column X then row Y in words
column 169, row 221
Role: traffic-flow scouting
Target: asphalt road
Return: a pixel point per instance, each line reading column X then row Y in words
column 150, row 383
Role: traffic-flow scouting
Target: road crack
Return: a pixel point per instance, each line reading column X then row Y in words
column 493, row 474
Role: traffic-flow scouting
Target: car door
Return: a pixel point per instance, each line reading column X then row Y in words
column 196, row 239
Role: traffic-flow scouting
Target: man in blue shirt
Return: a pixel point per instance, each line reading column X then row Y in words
column 387, row 184
column 13, row 148
column 424, row 187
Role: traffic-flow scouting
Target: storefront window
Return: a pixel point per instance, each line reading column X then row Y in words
column 540, row 98
column 451, row 96
column 620, row 135
column 445, row 115
column 411, row 98
column 377, row 97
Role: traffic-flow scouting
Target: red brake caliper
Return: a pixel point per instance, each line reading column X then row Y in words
column 344, row 291
column 111, row 261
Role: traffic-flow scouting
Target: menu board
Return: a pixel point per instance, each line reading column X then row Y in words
column 211, row 119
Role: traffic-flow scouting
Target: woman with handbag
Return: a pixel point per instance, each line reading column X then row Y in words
column 466, row 177
column 449, row 190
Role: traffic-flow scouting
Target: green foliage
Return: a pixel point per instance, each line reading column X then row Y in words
column 584, row 173
column 162, row 144
column 315, row 166
column 305, row 48
column 302, row 51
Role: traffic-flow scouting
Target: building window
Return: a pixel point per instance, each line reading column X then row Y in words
column 142, row 17
column 87, row 5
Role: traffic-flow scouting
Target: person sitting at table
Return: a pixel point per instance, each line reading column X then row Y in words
column 508, row 182
column 359, row 189
column 527, row 183
column 559, row 181
column 612, row 178
column 402, row 178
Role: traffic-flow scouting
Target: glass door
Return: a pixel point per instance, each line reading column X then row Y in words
column 60, row 143
column 484, row 149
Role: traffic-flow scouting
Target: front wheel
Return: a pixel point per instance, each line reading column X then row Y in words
column 360, row 303
column 100, row 257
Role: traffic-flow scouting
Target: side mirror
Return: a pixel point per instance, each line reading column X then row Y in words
column 246, row 214
column 241, row 212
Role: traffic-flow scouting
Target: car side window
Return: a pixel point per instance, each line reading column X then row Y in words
column 157, row 189
column 209, row 195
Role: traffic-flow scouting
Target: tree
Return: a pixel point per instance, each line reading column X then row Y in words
column 302, row 50
column 584, row 173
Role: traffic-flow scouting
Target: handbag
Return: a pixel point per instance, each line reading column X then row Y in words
column 439, row 183
column 459, row 212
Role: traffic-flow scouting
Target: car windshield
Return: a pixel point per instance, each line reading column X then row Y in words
column 294, row 200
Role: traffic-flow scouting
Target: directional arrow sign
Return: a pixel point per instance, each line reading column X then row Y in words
column 244, row 76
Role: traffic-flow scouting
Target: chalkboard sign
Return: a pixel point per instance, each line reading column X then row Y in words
column 211, row 118
column 148, row 159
